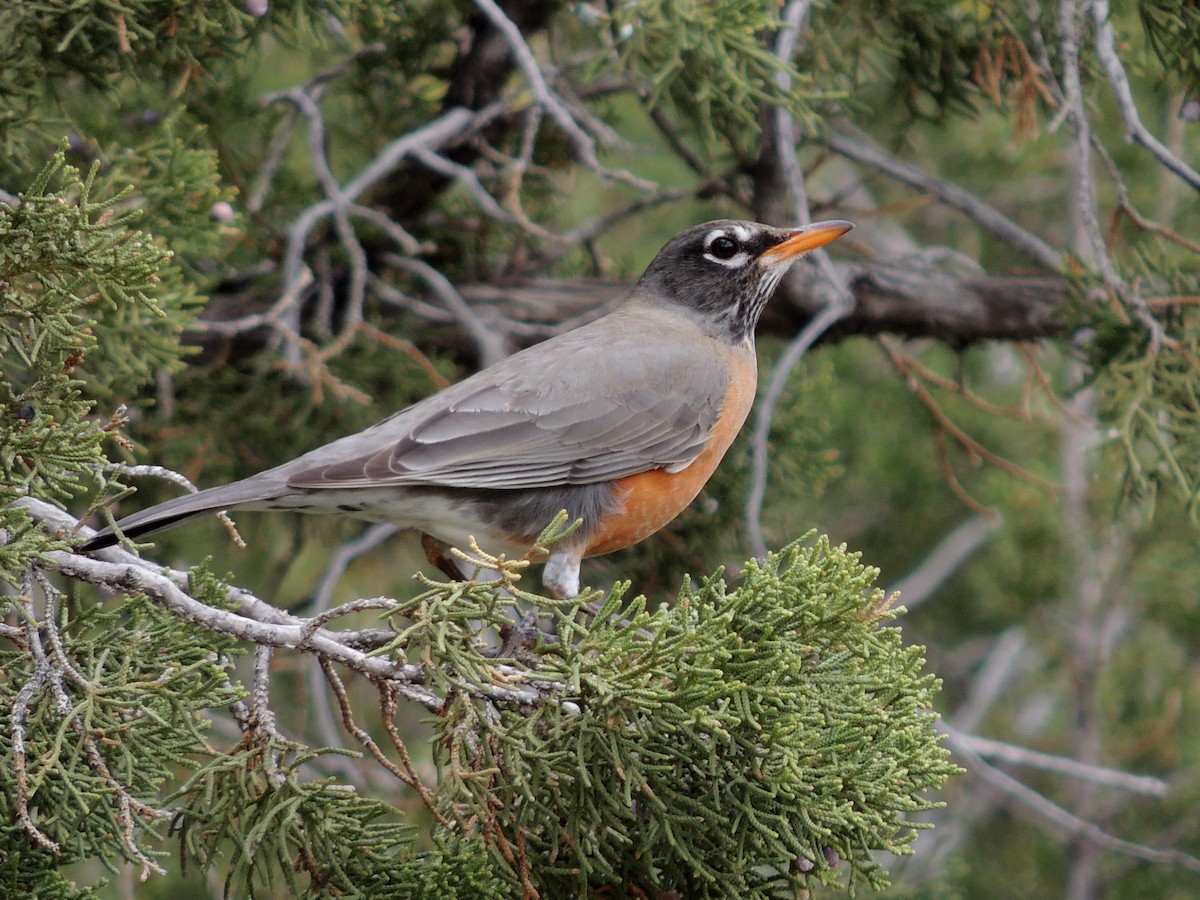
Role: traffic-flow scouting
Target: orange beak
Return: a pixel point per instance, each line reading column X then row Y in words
column 809, row 237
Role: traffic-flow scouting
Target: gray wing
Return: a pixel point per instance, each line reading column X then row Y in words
column 537, row 421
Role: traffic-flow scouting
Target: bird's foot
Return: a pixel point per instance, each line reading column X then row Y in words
column 521, row 635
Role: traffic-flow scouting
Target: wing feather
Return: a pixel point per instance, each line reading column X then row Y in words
column 538, row 420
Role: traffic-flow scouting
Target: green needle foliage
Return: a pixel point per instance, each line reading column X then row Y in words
column 1173, row 32
column 98, row 744
column 731, row 746
column 1150, row 397
column 313, row 838
column 135, row 688
column 76, row 280
column 676, row 45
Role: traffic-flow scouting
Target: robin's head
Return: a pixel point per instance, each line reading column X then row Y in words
column 724, row 272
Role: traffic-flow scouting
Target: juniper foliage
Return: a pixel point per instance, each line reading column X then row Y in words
column 722, row 747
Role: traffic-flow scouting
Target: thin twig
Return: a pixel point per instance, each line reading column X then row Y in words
column 1147, row 785
column 491, row 343
column 468, row 180
column 1055, row 815
column 944, row 560
column 1085, row 194
column 347, row 553
column 760, row 440
column 839, row 301
column 946, row 424
column 387, row 702
column 1126, row 203
column 1110, row 60
column 583, row 143
column 861, row 151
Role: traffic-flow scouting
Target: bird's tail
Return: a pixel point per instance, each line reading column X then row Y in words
column 250, row 492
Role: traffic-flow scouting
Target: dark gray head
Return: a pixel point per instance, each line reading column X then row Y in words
column 724, row 272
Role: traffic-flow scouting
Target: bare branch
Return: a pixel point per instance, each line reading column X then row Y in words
column 786, row 130
column 469, row 181
column 991, row 680
column 945, row 559
column 490, row 342
column 1060, row 765
column 1085, row 194
column 1106, row 50
column 836, row 300
column 145, row 471
column 451, row 127
column 861, row 151
column 583, row 143
column 766, row 412
column 1053, row 814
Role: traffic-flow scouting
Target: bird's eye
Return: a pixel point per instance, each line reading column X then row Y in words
column 723, row 248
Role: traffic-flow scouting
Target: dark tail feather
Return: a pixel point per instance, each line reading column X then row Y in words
column 173, row 512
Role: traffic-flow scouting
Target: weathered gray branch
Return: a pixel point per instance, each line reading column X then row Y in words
column 908, row 299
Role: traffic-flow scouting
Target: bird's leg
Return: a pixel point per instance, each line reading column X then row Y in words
column 438, row 554
column 561, row 578
column 521, row 635
column 561, row 574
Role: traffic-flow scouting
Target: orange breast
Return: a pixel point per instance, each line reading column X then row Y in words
column 649, row 500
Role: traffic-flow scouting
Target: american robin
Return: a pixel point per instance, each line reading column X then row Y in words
column 620, row 422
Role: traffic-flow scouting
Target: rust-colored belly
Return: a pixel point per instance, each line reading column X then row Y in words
column 649, row 500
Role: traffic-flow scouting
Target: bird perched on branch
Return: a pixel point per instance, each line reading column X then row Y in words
column 620, row 422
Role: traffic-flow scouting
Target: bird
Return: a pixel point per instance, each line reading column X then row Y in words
column 620, row 422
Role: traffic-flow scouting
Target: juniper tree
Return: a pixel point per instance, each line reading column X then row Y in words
column 269, row 224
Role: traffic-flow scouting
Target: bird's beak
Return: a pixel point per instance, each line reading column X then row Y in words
column 809, row 237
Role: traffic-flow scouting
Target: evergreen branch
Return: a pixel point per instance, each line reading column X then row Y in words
column 263, row 728
column 95, row 711
column 261, row 623
column 142, row 579
column 18, row 718
column 257, row 622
